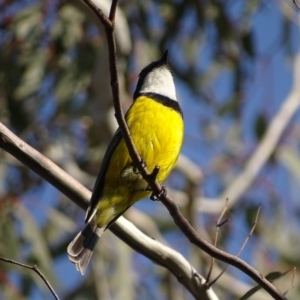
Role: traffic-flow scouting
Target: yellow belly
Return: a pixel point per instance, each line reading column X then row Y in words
column 157, row 132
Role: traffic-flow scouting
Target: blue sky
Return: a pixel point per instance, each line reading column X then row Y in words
column 269, row 82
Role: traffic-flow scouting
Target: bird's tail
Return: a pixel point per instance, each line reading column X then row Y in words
column 81, row 248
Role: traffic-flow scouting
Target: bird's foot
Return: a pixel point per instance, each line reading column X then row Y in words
column 136, row 169
column 163, row 192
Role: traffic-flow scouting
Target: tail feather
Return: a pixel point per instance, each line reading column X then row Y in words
column 81, row 248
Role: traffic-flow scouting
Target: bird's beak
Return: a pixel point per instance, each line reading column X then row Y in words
column 164, row 58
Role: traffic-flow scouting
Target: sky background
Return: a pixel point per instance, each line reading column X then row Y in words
column 268, row 83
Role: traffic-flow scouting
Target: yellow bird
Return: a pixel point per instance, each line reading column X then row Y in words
column 156, row 125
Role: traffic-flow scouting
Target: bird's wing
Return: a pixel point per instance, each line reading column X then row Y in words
column 98, row 188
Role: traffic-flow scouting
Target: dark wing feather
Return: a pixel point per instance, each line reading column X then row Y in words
column 98, row 188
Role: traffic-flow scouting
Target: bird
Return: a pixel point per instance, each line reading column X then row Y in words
column 156, row 126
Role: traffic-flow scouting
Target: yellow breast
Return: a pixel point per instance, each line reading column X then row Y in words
column 157, row 132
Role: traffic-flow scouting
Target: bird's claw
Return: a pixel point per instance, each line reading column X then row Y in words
column 163, row 192
column 135, row 168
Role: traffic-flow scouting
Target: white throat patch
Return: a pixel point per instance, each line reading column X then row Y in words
column 160, row 81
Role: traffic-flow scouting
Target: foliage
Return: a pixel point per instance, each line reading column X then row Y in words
column 232, row 77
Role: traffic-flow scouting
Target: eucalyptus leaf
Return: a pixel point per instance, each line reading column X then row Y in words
column 271, row 277
column 35, row 238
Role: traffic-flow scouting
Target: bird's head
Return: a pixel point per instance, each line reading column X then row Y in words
column 157, row 78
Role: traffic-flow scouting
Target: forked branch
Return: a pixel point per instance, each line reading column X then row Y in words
column 36, row 270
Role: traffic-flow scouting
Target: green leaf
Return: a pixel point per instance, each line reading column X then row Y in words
column 33, row 75
column 27, row 21
column 59, row 224
column 276, row 275
column 40, row 253
column 247, row 40
column 250, row 292
column 230, row 107
column 9, row 242
column 260, row 126
column 290, row 158
column 271, row 277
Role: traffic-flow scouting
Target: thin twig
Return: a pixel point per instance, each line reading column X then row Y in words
column 114, row 82
column 218, row 225
column 292, row 282
column 106, row 22
column 112, row 13
column 137, row 160
column 178, row 218
column 36, row 270
column 251, row 232
column 241, row 249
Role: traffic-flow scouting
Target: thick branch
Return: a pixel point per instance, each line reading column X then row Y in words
column 126, row 231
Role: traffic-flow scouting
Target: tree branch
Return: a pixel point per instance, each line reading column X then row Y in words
column 178, row 218
column 126, row 231
column 36, row 270
column 263, row 151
